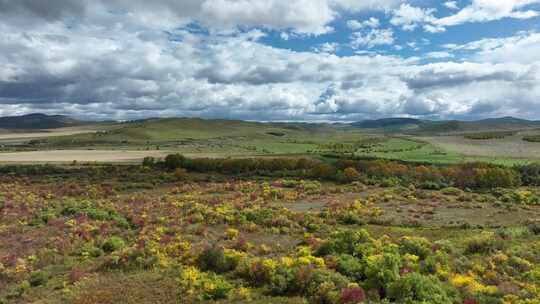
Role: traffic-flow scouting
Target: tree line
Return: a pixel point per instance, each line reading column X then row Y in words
column 466, row 175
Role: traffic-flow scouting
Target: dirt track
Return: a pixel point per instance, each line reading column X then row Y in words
column 66, row 156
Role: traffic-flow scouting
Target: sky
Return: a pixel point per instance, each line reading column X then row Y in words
column 271, row 60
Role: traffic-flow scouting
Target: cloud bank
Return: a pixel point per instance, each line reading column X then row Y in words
column 131, row 59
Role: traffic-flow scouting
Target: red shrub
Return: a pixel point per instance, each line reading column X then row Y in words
column 352, row 295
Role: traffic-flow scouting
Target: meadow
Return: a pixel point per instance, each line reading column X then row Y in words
column 283, row 230
column 193, row 211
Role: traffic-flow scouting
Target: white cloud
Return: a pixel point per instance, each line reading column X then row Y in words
column 439, row 55
column 408, row 17
column 356, row 25
column 451, row 5
column 366, row 5
column 124, row 65
column 523, row 47
column 327, row 47
column 372, row 38
column 489, row 10
column 434, row 28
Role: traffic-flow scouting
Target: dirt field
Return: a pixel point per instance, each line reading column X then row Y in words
column 6, row 135
column 512, row 146
column 63, row 156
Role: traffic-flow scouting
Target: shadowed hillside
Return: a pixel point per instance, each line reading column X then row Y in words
column 427, row 127
column 37, row 121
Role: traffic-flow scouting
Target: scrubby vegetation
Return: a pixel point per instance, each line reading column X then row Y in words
column 183, row 230
column 532, row 138
column 369, row 171
column 489, row 135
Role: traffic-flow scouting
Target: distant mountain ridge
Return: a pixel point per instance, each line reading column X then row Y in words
column 417, row 126
column 386, row 125
column 38, row 121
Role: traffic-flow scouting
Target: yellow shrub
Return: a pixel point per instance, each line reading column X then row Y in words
column 190, row 280
column 232, row 233
column 470, row 284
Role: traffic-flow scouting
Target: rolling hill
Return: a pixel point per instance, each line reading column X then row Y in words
column 429, row 127
column 37, row 121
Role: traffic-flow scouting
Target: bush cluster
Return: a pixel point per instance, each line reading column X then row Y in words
column 383, row 172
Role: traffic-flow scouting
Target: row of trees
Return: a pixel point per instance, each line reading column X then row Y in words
column 469, row 175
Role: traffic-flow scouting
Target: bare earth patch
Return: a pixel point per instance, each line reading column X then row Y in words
column 64, row 156
column 11, row 135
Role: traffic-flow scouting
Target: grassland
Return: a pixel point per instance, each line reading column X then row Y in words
column 226, row 138
column 197, row 137
column 453, row 149
column 257, row 214
column 132, row 234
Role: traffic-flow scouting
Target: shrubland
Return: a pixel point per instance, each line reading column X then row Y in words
column 183, row 230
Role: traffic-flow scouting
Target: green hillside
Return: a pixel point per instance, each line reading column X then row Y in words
column 226, row 137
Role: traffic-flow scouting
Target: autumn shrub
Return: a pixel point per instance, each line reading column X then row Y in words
column 352, row 295
column 418, row 246
column 452, row 191
column 381, row 270
column 38, row 278
column 256, row 271
column 416, row 288
column 534, row 227
column 174, row 161
column 180, row 174
column 530, row 174
column 202, row 286
column 281, row 281
column 214, row 259
column 324, row 286
column 148, row 161
column 350, row 174
column 482, row 244
column 343, row 241
column 431, row 185
column 350, row 266
column 113, row 243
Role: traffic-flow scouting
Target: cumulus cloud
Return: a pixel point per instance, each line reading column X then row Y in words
column 117, row 60
column 488, row 10
column 356, row 25
column 372, row 38
column 408, row 17
column 439, row 55
column 451, row 5
column 522, row 48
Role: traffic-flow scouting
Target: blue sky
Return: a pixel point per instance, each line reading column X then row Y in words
column 424, row 42
column 301, row 60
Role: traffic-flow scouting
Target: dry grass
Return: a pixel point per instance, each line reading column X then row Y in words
column 511, row 146
column 67, row 156
column 13, row 135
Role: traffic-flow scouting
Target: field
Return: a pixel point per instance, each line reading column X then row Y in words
column 8, row 136
column 196, row 211
column 154, row 234
column 224, row 138
column 193, row 137
column 454, row 149
column 83, row 156
column 509, row 146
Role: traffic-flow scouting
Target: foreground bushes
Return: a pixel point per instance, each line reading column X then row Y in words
column 353, row 267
